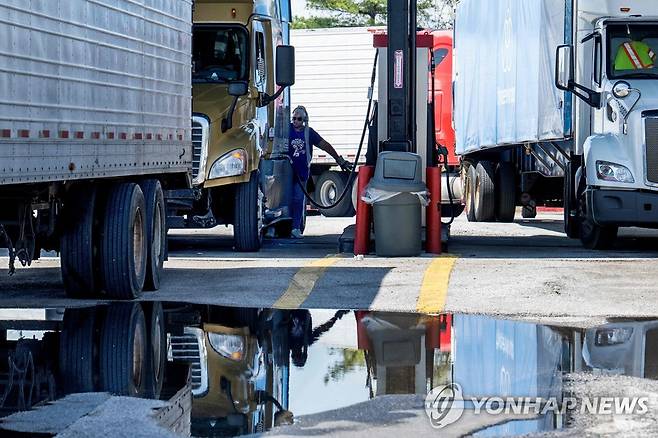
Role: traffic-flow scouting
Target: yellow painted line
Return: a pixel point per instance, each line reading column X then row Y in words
column 434, row 290
column 303, row 282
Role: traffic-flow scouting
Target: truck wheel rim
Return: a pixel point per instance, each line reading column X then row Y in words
column 477, row 191
column 260, row 208
column 156, row 337
column 157, row 235
column 138, row 242
column 138, row 356
column 328, row 193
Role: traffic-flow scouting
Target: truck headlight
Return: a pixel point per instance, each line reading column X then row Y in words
column 608, row 171
column 231, row 164
column 612, row 336
column 229, row 346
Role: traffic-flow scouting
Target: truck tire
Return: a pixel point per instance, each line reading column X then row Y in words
column 328, row 189
column 123, row 350
column 248, row 222
column 592, row 235
column 355, row 192
column 505, row 193
column 156, row 357
column 77, row 243
column 124, row 243
column 469, row 190
column 77, row 350
column 484, row 195
column 156, row 232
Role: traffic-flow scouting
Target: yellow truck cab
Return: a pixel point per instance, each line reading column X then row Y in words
column 240, row 115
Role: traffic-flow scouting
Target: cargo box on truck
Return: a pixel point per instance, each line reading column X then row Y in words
column 94, row 132
column 555, row 102
column 333, row 73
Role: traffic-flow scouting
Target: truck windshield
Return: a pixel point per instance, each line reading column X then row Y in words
column 632, row 51
column 219, row 54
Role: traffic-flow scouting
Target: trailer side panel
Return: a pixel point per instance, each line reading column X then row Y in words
column 94, row 89
column 504, row 73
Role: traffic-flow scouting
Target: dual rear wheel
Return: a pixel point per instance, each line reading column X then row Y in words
column 113, row 239
column 490, row 191
column 120, row 349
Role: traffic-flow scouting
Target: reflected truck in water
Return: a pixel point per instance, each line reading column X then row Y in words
column 221, row 371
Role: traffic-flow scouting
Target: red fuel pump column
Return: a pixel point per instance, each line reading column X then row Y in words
column 363, row 213
column 433, row 212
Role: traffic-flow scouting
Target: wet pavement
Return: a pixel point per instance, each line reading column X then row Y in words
column 228, row 371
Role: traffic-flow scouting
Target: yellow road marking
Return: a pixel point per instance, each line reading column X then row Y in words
column 434, row 290
column 303, row 282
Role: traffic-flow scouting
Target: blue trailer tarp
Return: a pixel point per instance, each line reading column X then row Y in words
column 504, row 73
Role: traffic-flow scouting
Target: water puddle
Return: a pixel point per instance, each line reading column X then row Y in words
column 234, row 371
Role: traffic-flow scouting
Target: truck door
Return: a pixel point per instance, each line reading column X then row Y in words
column 260, row 69
column 445, row 135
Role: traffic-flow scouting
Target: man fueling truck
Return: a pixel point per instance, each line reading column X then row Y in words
column 98, row 155
column 556, row 102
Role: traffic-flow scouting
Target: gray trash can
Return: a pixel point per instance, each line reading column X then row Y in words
column 397, row 212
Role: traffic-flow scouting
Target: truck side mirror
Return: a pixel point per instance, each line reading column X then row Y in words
column 564, row 68
column 285, row 66
column 564, row 77
column 237, row 88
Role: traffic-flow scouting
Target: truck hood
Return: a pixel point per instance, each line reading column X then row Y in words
column 649, row 100
column 212, row 100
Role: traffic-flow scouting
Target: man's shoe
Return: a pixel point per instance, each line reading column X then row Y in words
column 296, row 234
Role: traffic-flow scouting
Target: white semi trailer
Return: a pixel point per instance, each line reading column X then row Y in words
column 332, row 76
column 94, row 132
column 556, row 101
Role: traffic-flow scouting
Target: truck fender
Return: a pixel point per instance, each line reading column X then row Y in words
column 604, row 147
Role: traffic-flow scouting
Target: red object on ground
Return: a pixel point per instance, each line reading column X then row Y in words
column 433, row 212
column 363, row 212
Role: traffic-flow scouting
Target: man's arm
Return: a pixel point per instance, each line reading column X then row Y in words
column 325, row 146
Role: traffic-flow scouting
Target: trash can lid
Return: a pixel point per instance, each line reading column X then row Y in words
column 398, row 172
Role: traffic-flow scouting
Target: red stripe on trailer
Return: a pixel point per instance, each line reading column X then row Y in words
column 63, row 134
column 24, row 133
column 96, row 135
column 550, row 209
column 5, row 133
column 79, row 135
column 45, row 133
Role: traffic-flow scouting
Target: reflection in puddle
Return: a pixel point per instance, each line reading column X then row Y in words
column 249, row 370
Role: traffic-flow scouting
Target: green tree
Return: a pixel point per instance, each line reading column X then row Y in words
column 347, row 13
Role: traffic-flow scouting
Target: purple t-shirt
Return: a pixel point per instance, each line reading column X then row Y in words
column 297, row 150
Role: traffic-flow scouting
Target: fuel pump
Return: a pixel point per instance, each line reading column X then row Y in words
column 403, row 120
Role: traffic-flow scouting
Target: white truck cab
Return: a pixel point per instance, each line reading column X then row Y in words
column 612, row 69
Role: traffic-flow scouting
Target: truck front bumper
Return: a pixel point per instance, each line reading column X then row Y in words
column 624, row 208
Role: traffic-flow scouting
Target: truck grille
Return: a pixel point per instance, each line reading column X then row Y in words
column 191, row 348
column 197, row 142
column 651, row 139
